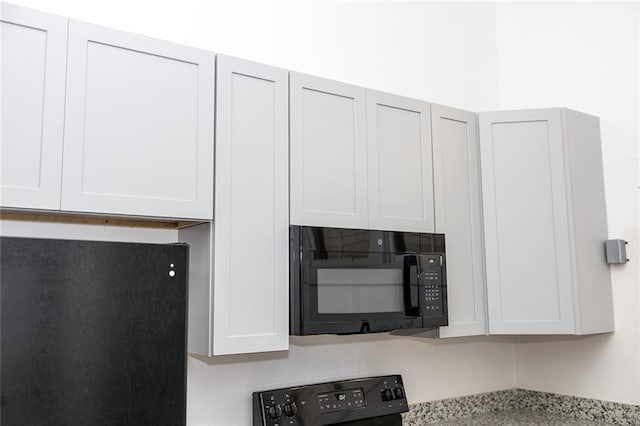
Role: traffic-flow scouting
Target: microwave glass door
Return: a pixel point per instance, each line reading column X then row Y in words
column 356, row 291
column 357, row 286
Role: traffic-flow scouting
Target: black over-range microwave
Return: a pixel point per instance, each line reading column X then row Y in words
column 346, row 281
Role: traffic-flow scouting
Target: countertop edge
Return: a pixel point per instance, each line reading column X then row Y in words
column 571, row 407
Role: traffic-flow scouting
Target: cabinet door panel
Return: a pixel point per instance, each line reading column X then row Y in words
column 252, row 221
column 328, row 153
column 139, row 126
column 400, row 163
column 526, row 223
column 34, row 54
column 459, row 217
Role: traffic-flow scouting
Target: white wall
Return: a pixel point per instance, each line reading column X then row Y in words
column 584, row 56
column 219, row 388
column 443, row 53
column 440, row 52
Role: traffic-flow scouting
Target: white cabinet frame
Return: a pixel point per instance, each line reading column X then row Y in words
column 138, row 126
column 400, row 163
column 458, row 210
column 328, row 153
column 545, row 223
column 240, row 264
column 34, row 61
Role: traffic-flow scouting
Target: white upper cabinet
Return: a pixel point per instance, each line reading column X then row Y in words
column 399, row 163
column 33, row 61
column 252, row 152
column 328, row 153
column 138, row 126
column 359, row 158
column 545, row 223
column 239, row 290
column 458, row 212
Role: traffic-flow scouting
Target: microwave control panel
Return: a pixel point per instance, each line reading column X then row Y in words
column 330, row 403
column 430, row 278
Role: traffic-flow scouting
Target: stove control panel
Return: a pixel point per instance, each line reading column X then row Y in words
column 330, row 403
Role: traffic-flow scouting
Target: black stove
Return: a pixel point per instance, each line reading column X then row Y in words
column 368, row 401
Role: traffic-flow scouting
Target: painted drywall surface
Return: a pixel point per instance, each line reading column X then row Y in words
column 584, row 56
column 219, row 387
column 438, row 52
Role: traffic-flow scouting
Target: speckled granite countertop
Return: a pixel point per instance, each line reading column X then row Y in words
column 521, row 417
column 521, row 407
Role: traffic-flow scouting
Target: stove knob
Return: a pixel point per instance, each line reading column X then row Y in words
column 274, row 412
column 387, row 395
column 398, row 393
column 290, row 409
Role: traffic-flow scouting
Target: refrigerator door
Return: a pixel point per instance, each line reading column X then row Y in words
column 92, row 333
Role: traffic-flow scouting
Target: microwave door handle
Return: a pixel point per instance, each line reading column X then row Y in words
column 410, row 309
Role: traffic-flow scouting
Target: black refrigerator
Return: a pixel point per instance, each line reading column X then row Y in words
column 92, row 333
